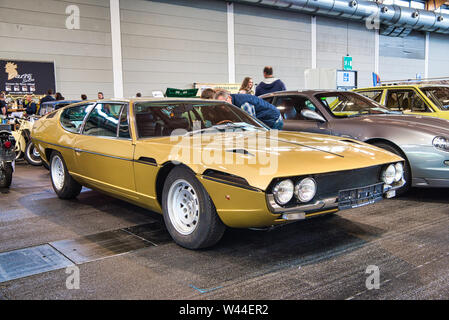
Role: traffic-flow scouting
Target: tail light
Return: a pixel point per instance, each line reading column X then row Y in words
column 7, row 144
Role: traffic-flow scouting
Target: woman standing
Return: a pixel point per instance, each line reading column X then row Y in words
column 247, row 86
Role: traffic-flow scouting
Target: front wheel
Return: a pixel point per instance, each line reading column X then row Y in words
column 32, row 155
column 63, row 183
column 189, row 214
column 6, row 175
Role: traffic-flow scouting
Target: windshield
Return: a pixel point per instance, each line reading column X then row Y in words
column 349, row 104
column 159, row 119
column 439, row 96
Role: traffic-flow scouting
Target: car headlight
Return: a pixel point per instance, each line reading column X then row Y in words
column 283, row 191
column 399, row 171
column 305, row 189
column 389, row 174
column 441, row 143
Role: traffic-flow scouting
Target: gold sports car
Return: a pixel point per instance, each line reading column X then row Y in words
column 206, row 164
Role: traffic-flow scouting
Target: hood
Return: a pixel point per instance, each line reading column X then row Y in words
column 260, row 157
column 431, row 125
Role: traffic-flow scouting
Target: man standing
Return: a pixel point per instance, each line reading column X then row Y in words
column 48, row 97
column 270, row 84
column 100, row 95
column 3, row 107
column 30, row 106
column 257, row 107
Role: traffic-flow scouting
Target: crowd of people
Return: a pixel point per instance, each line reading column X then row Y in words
column 246, row 99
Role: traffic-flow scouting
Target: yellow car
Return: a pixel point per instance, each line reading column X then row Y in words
column 207, row 164
column 421, row 99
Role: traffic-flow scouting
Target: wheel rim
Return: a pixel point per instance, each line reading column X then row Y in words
column 33, row 154
column 57, row 172
column 183, row 207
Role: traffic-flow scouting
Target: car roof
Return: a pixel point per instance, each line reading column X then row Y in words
column 61, row 101
column 148, row 99
column 305, row 92
column 399, row 85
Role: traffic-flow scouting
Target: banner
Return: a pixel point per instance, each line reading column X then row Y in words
column 22, row 77
column 231, row 87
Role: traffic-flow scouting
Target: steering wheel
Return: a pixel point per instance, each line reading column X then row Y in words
column 224, row 121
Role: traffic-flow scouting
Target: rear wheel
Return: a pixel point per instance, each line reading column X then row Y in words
column 407, row 170
column 32, row 155
column 63, row 183
column 6, row 175
column 189, row 213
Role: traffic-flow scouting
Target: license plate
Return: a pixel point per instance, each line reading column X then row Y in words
column 359, row 197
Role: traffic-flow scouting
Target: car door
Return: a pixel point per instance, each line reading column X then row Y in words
column 407, row 101
column 291, row 106
column 105, row 150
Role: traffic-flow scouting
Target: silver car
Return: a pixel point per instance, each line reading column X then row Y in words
column 422, row 141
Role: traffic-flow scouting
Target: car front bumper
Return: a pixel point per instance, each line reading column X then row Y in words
column 429, row 166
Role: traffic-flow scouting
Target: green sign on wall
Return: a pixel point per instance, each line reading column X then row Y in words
column 347, row 63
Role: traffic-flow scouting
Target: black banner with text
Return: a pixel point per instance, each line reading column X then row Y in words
column 22, row 77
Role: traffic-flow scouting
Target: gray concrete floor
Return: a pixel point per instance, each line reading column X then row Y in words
column 323, row 258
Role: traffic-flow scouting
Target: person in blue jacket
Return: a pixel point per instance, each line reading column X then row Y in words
column 257, row 107
column 270, row 83
column 30, row 106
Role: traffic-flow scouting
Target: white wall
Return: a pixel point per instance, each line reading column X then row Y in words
column 402, row 58
column 438, row 55
column 172, row 44
column 35, row 30
column 272, row 37
column 336, row 38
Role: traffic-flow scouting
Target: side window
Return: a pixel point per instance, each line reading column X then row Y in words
column 103, row 120
column 373, row 95
column 286, row 105
column 123, row 131
column 72, row 118
column 269, row 99
column 291, row 107
column 405, row 100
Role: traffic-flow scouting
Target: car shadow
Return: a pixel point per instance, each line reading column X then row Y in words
column 436, row 195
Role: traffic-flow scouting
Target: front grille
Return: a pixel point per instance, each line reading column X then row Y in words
column 330, row 184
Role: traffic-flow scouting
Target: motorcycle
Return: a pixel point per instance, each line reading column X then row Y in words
column 25, row 147
column 7, row 156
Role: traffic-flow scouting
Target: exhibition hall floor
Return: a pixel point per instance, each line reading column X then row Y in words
column 123, row 252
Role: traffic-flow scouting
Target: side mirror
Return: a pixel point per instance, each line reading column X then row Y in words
column 312, row 115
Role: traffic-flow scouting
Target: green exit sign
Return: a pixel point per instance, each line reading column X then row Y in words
column 347, row 63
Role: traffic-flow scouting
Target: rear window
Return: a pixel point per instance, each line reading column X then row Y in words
column 72, row 118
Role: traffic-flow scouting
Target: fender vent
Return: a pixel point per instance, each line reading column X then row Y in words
column 241, row 151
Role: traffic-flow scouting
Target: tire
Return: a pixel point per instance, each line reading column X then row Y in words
column 63, row 183
column 6, row 175
column 407, row 170
column 30, row 155
column 189, row 214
